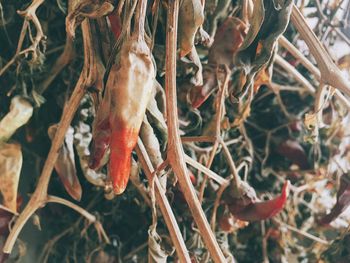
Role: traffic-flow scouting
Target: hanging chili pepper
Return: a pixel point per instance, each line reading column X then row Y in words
column 128, row 90
column 116, row 23
column 343, row 201
column 248, row 207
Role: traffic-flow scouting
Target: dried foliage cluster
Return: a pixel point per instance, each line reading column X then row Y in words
column 230, row 119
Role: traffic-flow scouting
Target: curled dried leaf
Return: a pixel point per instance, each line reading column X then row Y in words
column 65, row 164
column 156, row 251
column 227, row 41
column 10, row 170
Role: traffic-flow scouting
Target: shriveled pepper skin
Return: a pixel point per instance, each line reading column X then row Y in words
column 128, row 90
column 250, row 208
column 266, row 209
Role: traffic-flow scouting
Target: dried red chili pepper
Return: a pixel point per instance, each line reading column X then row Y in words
column 116, row 24
column 343, row 201
column 128, row 90
column 248, row 207
column 292, row 150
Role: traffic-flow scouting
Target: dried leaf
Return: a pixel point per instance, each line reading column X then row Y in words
column 191, row 17
column 151, row 143
column 65, row 164
column 255, row 23
column 10, row 170
column 157, row 253
column 20, row 112
column 155, row 116
column 258, row 47
column 198, row 77
column 227, row 41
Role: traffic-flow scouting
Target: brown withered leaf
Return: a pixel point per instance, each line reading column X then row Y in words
column 228, row 39
column 65, row 164
column 10, row 170
column 268, row 22
column 191, row 17
column 157, row 252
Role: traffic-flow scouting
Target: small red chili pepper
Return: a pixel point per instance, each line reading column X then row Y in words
column 249, row 208
column 292, row 150
column 343, row 201
column 116, row 24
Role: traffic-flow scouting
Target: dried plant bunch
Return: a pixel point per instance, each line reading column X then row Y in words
column 228, row 118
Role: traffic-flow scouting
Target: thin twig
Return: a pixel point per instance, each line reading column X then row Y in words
column 330, row 73
column 307, row 64
column 175, row 150
column 163, row 203
column 39, row 197
column 290, row 69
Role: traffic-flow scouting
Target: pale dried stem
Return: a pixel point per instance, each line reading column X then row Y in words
column 301, row 232
column 54, row 199
column 330, row 73
column 214, row 176
column 309, row 66
column 39, row 197
column 163, row 203
column 208, row 165
column 217, row 203
column 64, row 59
column 296, row 74
column 175, row 150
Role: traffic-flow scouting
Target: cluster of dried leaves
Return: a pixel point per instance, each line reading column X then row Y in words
column 230, row 118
